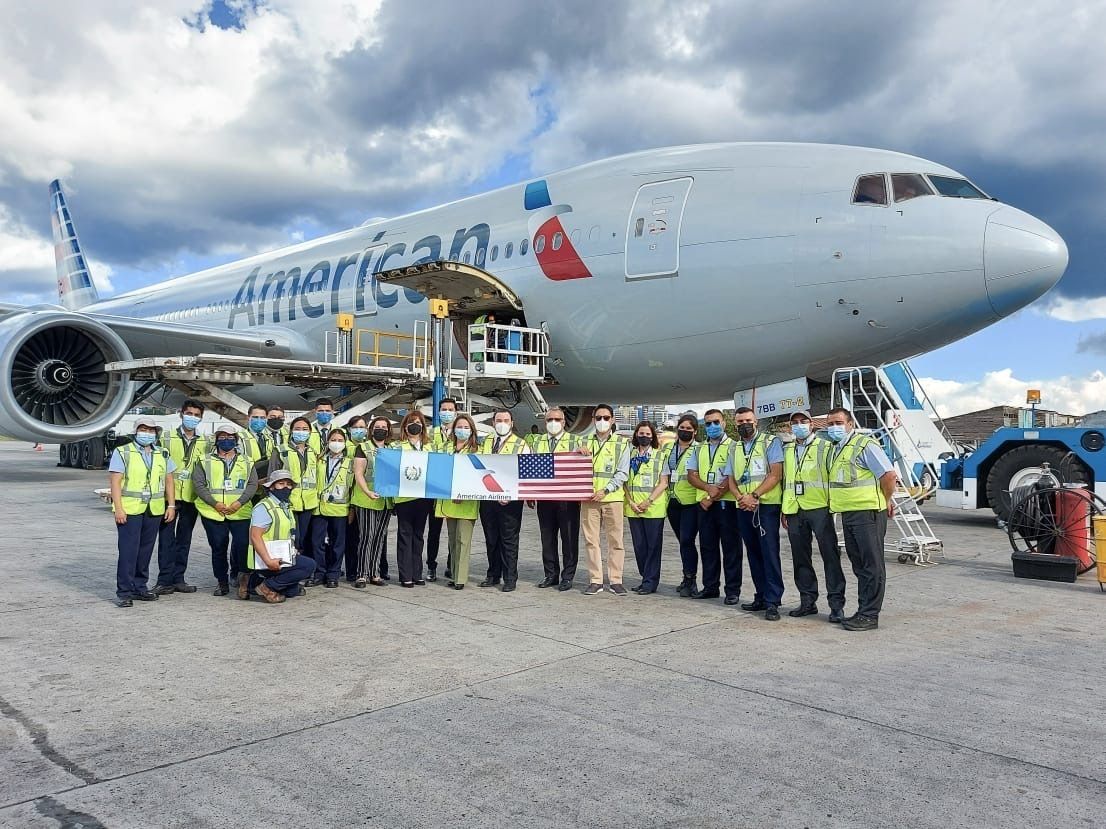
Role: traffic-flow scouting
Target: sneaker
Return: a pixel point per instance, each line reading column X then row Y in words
column 184, row 587
column 686, row 588
column 432, row 574
column 124, row 603
column 145, row 597
column 221, row 590
column 837, row 616
column 592, row 589
column 859, row 622
column 617, row 589
column 165, row 589
column 361, row 584
column 772, row 614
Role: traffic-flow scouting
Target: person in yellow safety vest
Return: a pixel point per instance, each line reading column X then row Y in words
column 862, row 486
column 225, row 482
column 334, row 483
column 357, row 435
column 603, row 514
column 250, row 438
column 143, row 497
column 683, row 499
column 718, row 538
column 667, row 436
column 533, row 438
column 320, row 429
column 754, row 474
column 184, row 444
column 274, row 438
column 272, row 520
column 302, row 462
column 441, row 439
column 646, row 501
column 459, row 515
column 411, row 513
column 558, row 520
column 502, row 520
column 806, row 516
column 373, row 512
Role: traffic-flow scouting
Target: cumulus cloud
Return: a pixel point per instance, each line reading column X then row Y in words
column 186, row 135
column 1068, row 394
column 1067, row 309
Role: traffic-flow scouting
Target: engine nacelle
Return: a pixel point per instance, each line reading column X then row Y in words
column 53, row 387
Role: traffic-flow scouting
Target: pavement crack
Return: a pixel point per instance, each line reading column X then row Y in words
column 41, row 741
column 68, row 818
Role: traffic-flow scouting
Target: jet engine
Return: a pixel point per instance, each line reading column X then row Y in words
column 53, row 387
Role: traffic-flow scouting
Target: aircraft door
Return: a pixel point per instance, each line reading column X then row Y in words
column 653, row 232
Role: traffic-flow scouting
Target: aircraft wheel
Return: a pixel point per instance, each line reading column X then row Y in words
column 73, row 454
column 904, row 558
column 63, row 454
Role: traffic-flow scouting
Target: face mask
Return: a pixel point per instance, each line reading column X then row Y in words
column 801, row 431
column 746, row 431
column 324, row 418
column 554, row 427
column 462, row 433
column 145, row 438
column 300, row 436
column 685, row 435
column 337, row 446
column 414, row 429
column 503, row 429
column 226, row 444
column 276, row 423
column 602, row 426
column 836, row 433
column 357, row 433
column 714, row 430
column 381, row 434
column 446, row 416
column 643, row 440
column 281, row 495
column 257, row 424
column 190, row 421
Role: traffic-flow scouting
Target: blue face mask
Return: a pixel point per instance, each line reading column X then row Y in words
column 714, row 430
column 462, row 433
column 145, row 438
column 800, row 430
column 190, row 421
column 257, row 424
column 226, row 444
column 324, row 418
column 300, row 436
column 446, row 416
column 281, row 495
column 358, row 433
column 836, row 433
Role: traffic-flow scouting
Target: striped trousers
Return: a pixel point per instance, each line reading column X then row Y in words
column 372, row 525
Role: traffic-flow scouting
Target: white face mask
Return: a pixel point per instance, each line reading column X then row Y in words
column 554, row 427
column 337, row 446
column 602, row 426
column 503, row 429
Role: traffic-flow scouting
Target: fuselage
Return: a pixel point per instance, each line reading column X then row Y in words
column 680, row 274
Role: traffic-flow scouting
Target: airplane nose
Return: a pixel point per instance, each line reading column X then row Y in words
column 1022, row 258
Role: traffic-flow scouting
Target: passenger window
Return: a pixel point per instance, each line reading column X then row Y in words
column 507, row 251
column 523, row 246
column 639, row 228
column 480, row 253
column 909, row 186
column 539, row 244
column 466, row 257
column 495, row 252
column 557, row 237
column 871, row 190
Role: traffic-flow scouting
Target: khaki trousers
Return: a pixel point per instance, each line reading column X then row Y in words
column 459, row 531
column 606, row 517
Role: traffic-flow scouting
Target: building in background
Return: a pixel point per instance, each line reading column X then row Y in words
column 975, row 427
column 629, row 415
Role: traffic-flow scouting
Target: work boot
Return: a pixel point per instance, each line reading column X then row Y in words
column 244, row 586
column 803, row 610
column 686, row 588
column 165, row 589
column 268, row 594
column 221, row 590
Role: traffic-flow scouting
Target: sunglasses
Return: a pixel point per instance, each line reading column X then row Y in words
column 601, row 417
column 714, row 422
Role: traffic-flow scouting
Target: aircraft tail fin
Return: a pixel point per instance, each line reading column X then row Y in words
column 75, row 286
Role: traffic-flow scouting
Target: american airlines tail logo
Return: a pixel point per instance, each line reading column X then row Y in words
column 555, row 252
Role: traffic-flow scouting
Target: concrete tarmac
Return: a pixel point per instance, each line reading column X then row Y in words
column 979, row 702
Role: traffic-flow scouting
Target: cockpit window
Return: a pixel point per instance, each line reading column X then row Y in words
column 957, row 188
column 871, row 190
column 909, row 186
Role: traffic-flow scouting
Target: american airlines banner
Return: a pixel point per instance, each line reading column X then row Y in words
column 404, row 473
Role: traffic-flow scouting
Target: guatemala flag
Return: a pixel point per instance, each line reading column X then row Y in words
column 405, row 473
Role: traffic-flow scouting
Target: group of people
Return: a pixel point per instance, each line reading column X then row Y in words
column 292, row 505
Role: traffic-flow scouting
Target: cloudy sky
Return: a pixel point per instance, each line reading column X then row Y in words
column 190, row 133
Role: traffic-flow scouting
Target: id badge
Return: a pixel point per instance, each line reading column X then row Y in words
column 608, row 469
column 146, row 494
column 799, row 488
column 183, row 475
column 228, row 485
column 756, row 466
column 339, row 492
column 712, row 477
column 647, row 480
column 840, row 476
column 308, row 482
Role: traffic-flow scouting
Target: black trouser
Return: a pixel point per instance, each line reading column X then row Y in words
column 173, row 542
column 720, row 543
column 684, row 520
column 802, row 527
column 559, row 521
column 221, row 535
column 864, row 531
column 759, row 531
column 410, row 531
column 433, row 538
column 353, row 544
column 136, row 544
column 647, row 535
column 328, row 541
column 502, row 524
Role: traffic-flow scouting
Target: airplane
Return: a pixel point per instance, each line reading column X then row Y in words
column 681, row 274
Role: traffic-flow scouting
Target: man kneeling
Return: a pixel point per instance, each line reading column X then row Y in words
column 272, row 526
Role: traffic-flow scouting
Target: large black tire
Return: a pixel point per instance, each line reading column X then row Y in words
column 1012, row 464
column 96, row 454
column 63, row 454
column 73, row 456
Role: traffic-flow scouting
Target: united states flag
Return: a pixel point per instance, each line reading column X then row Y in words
column 564, row 476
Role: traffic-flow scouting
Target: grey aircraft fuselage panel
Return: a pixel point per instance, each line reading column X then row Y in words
column 753, row 265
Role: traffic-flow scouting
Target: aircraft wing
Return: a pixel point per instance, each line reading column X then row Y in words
column 7, row 309
column 146, row 338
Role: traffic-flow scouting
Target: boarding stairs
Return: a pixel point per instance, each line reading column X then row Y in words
column 880, row 410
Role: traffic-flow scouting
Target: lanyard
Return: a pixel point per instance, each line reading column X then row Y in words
column 674, row 458
column 332, row 469
column 189, row 445
column 149, row 467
